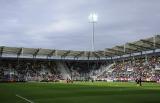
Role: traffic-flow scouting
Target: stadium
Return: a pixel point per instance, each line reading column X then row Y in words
column 82, row 69
column 113, row 72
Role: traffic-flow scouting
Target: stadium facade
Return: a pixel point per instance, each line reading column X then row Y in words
column 120, row 63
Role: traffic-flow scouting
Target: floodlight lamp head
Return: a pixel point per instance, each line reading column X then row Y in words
column 93, row 17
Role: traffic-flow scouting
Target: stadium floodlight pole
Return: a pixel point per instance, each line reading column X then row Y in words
column 93, row 18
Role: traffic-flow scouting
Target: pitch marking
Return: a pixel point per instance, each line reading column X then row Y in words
column 24, row 98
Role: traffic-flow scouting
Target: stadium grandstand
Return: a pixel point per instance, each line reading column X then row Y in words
column 121, row 63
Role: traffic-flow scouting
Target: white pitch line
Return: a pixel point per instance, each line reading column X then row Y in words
column 24, row 98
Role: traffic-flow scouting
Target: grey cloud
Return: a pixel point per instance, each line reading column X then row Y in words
column 64, row 24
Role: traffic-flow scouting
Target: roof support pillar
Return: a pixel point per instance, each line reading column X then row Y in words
column 19, row 52
column 1, row 51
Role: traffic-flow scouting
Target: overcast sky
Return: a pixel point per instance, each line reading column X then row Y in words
column 63, row 24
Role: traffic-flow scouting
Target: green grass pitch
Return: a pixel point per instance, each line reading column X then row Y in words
column 79, row 92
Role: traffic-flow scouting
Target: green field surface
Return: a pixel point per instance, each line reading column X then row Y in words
column 79, row 92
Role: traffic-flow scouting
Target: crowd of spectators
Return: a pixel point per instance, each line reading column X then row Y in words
column 147, row 67
column 28, row 71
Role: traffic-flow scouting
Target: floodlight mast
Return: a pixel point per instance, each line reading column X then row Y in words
column 93, row 18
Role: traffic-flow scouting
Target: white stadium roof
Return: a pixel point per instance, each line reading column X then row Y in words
column 149, row 44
